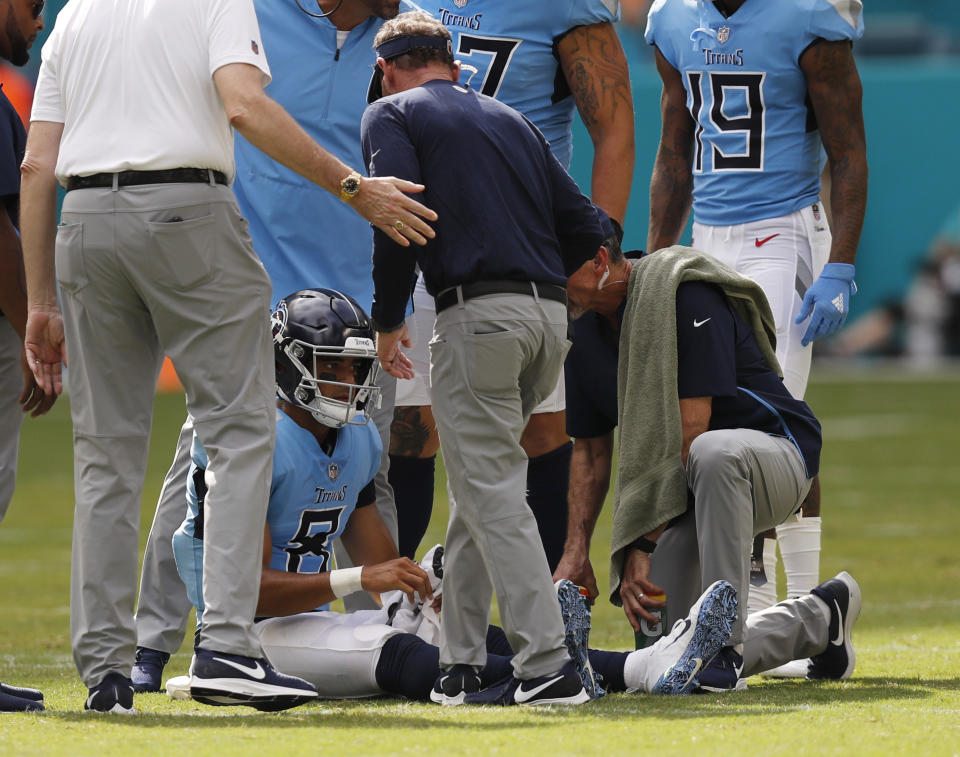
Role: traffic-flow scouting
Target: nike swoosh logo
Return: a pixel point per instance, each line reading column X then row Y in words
column 686, row 628
column 531, row 693
column 839, row 640
column 762, row 242
column 256, row 671
column 697, row 324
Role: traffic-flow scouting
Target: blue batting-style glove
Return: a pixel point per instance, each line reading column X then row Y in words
column 827, row 301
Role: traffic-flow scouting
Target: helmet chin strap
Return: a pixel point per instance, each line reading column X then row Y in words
column 319, row 15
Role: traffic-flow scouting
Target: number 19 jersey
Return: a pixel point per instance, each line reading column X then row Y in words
column 507, row 49
column 757, row 151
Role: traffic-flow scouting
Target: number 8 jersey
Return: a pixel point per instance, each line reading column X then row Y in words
column 757, row 152
column 507, row 49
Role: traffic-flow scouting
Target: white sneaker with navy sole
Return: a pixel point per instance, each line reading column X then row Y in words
column 224, row 679
column 671, row 666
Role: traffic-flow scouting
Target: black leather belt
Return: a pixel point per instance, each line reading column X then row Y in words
column 448, row 297
column 128, row 178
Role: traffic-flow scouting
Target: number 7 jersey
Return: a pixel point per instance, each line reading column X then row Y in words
column 507, row 49
column 757, row 151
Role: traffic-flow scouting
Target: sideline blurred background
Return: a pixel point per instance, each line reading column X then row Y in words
column 908, row 266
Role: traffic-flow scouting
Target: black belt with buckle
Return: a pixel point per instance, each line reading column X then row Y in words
column 129, row 178
column 448, row 297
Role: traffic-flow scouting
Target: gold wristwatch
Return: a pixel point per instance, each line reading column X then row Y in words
column 349, row 186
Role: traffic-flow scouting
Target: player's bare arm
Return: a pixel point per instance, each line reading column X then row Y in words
column 43, row 340
column 269, row 127
column 837, row 94
column 413, row 432
column 589, row 482
column 671, row 185
column 695, row 419
column 595, row 67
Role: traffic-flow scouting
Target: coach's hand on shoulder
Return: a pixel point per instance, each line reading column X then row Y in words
column 402, row 573
column 383, row 202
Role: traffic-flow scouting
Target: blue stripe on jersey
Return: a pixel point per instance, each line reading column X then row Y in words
column 757, row 152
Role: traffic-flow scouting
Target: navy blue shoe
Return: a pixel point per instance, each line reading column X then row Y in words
column 452, row 686
column 21, row 692
column 842, row 595
column 562, row 687
column 576, row 626
column 114, row 694
column 221, row 679
column 723, row 672
column 148, row 670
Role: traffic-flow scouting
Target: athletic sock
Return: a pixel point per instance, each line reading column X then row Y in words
column 762, row 597
column 609, row 668
column 412, row 482
column 548, row 478
column 497, row 642
column 800, row 551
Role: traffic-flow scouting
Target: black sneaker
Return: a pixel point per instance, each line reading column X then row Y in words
column 113, row 694
column 452, row 686
column 223, row 679
column 723, row 672
column 18, row 699
column 842, row 595
column 148, row 669
column 21, row 692
column 562, row 687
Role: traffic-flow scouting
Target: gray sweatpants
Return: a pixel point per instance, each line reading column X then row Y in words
column 144, row 271
column 492, row 360
column 11, row 416
column 743, row 482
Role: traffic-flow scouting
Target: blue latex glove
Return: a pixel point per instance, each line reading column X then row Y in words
column 828, row 299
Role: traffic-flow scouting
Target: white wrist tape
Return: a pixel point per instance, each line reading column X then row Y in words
column 345, row 581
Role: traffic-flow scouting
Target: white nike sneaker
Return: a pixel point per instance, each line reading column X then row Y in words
column 671, row 665
column 225, row 679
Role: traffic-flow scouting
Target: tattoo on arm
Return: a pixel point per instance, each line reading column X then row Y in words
column 836, row 95
column 595, row 66
column 409, row 432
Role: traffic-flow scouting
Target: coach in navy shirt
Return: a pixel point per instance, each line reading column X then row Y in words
column 512, row 226
column 676, row 349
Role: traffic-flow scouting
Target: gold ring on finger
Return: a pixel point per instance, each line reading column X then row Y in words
column 398, row 225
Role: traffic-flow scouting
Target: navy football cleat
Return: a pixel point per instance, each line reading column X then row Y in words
column 576, row 626
column 148, row 670
column 223, row 679
column 842, row 595
column 114, row 694
column 452, row 686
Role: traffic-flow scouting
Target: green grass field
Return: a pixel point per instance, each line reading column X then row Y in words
column 890, row 476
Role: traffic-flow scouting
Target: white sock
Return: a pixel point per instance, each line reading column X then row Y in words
column 634, row 670
column 800, row 550
column 762, row 597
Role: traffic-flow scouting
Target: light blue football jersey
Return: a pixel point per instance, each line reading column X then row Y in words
column 507, row 51
column 757, row 152
column 312, row 495
column 305, row 236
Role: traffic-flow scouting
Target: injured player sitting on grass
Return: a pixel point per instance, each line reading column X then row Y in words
column 326, row 456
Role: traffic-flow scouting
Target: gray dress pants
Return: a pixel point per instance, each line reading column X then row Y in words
column 146, row 271
column 492, row 360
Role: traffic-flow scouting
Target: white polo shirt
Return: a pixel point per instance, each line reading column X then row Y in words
column 132, row 83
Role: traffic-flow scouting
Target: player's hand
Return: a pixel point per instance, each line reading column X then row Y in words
column 33, row 398
column 381, row 200
column 827, row 301
column 636, row 589
column 392, row 359
column 402, row 573
column 575, row 565
column 45, row 347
